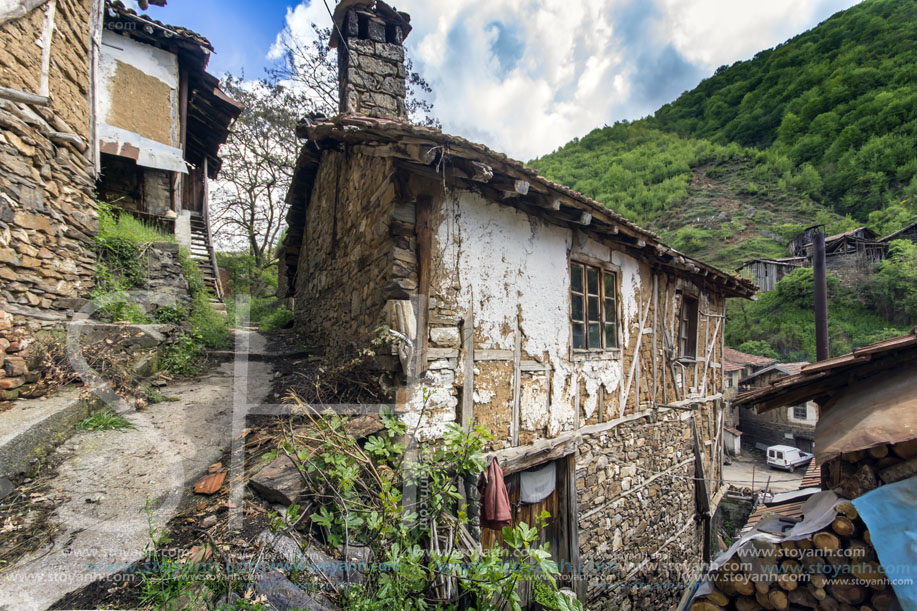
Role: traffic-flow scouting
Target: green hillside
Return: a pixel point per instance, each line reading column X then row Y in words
column 840, row 98
column 821, row 129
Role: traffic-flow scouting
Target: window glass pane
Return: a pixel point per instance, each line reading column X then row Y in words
column 576, row 302
column 579, row 336
column 595, row 335
column 594, row 309
column 609, row 285
column 576, row 278
column 611, row 340
column 609, row 310
column 592, row 277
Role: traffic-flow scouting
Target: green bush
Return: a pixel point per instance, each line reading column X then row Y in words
column 758, row 347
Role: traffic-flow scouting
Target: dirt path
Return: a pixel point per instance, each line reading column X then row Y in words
column 106, row 478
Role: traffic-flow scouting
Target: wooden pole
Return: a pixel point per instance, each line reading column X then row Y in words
column 468, row 384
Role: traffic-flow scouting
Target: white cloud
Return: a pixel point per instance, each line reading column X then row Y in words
column 526, row 76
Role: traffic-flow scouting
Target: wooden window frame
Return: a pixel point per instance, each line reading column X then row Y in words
column 690, row 304
column 604, row 270
column 805, row 412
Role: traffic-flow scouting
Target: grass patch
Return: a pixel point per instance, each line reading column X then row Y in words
column 105, row 420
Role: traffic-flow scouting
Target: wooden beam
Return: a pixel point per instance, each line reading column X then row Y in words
column 423, row 224
column 481, row 172
column 434, row 354
column 493, row 355
column 585, row 218
column 517, row 383
column 468, row 369
column 418, row 153
column 14, row 95
column 512, row 186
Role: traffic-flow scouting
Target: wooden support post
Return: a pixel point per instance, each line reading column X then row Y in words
column 517, row 382
column 702, row 497
column 635, row 360
column 423, row 226
column 468, row 383
column 655, row 335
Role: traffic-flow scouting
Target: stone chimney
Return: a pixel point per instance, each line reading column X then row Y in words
column 371, row 71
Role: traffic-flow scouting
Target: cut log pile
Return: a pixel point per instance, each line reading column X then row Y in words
column 835, row 569
column 853, row 474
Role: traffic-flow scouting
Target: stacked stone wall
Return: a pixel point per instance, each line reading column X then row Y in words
column 639, row 538
column 373, row 81
column 47, row 206
column 345, row 263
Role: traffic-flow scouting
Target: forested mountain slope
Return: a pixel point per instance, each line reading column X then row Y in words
column 819, row 130
column 825, row 122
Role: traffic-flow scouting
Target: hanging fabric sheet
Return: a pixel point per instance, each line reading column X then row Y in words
column 535, row 486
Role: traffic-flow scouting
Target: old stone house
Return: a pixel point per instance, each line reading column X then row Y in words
column 766, row 273
column 793, row 425
column 92, row 95
column 590, row 350
column 736, row 366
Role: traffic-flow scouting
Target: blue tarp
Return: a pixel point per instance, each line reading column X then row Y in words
column 890, row 512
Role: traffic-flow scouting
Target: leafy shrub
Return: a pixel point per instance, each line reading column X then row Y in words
column 279, row 318
column 758, row 347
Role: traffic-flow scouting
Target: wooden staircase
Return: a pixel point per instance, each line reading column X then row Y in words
column 202, row 252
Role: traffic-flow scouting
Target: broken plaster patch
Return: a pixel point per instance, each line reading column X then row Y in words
column 607, row 374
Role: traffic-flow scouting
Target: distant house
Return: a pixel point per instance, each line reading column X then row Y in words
column 793, row 425
column 906, row 233
column 766, row 273
column 736, row 366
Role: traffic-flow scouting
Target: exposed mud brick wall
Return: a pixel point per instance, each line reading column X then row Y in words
column 345, row 263
column 47, row 209
column 68, row 78
column 637, row 530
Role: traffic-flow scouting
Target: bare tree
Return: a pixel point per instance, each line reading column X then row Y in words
column 249, row 207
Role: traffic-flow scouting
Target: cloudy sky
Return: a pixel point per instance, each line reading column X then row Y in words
column 526, row 76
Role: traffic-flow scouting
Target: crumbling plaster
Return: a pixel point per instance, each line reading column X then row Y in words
column 514, row 267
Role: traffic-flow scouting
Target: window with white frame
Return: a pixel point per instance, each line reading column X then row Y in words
column 800, row 412
column 593, row 307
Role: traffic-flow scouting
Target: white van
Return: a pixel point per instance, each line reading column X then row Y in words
column 787, row 457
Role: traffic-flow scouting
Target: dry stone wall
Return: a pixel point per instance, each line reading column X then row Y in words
column 47, row 209
column 345, row 263
column 637, row 529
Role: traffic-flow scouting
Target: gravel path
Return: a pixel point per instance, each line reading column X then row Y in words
column 106, row 477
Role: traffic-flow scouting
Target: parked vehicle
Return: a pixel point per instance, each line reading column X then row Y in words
column 787, row 457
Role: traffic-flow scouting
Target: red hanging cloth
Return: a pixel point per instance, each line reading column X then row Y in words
column 495, row 507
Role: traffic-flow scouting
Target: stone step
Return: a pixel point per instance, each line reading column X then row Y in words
column 32, row 427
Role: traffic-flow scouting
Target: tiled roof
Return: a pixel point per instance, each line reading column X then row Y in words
column 818, row 376
column 117, row 7
column 735, row 358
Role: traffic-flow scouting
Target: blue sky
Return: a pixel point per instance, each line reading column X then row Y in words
column 526, row 76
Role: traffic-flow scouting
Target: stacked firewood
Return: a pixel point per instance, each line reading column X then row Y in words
column 835, row 569
column 855, row 473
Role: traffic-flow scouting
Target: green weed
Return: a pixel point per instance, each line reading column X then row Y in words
column 105, row 420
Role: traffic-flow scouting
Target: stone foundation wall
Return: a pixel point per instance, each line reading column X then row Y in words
column 345, row 263
column 637, row 529
column 47, row 209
